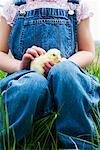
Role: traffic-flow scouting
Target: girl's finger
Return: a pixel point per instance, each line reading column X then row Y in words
column 32, row 52
column 39, row 50
column 48, row 65
column 46, row 69
column 51, row 63
column 25, row 63
column 28, row 57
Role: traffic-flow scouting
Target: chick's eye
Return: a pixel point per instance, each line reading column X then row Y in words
column 54, row 55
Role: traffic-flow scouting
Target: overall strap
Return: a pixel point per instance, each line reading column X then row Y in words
column 21, row 2
column 74, row 1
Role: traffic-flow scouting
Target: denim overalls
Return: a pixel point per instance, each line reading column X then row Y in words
column 68, row 89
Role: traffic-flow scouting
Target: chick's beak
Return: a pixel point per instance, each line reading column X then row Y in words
column 59, row 58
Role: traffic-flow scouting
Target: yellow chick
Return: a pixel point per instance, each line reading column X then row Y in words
column 38, row 63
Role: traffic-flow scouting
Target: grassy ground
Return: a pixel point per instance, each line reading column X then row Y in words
column 42, row 129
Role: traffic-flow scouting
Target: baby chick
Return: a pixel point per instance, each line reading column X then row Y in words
column 38, row 63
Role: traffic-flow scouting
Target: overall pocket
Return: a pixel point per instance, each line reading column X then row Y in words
column 47, row 33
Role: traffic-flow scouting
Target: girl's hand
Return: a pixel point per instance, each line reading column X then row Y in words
column 30, row 55
column 47, row 66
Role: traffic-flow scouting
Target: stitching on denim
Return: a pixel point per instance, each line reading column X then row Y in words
column 52, row 21
column 75, row 24
column 92, row 89
column 69, row 48
column 92, row 86
column 69, row 52
column 44, row 12
column 21, row 39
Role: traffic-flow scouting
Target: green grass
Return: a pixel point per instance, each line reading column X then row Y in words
column 42, row 133
column 2, row 74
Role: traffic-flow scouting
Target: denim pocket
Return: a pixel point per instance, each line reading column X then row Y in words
column 47, row 33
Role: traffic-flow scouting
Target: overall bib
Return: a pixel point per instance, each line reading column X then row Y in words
column 68, row 89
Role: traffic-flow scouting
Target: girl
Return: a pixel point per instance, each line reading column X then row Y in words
column 29, row 29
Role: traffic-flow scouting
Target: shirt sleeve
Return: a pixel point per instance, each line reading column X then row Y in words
column 8, row 12
column 84, row 11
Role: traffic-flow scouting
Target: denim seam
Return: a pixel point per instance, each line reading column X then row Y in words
column 69, row 41
column 21, row 41
column 18, row 17
column 70, row 34
column 75, row 24
column 39, row 21
column 92, row 86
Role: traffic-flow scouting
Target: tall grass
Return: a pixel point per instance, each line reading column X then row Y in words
column 42, row 135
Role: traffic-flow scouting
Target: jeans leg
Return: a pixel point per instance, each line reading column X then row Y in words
column 70, row 92
column 23, row 98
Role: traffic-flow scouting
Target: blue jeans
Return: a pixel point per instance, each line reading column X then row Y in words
column 32, row 96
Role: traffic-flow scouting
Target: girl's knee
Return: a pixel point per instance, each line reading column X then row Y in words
column 65, row 68
column 34, row 81
column 29, row 83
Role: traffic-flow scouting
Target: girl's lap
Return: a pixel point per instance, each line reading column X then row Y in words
column 64, row 67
